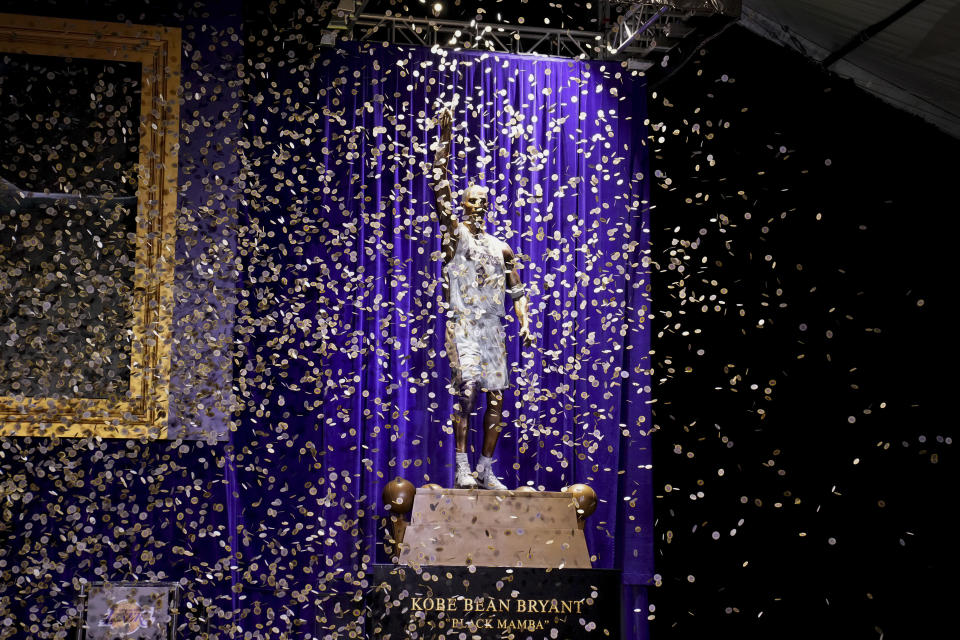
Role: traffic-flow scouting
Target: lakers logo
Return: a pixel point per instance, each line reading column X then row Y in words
column 127, row 616
column 485, row 265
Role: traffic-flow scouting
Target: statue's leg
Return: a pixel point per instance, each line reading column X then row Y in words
column 462, row 410
column 492, row 425
column 492, row 422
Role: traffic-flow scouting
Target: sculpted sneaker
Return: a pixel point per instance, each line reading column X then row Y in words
column 464, row 478
column 486, row 477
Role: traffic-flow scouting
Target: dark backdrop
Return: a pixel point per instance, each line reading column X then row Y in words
column 804, row 466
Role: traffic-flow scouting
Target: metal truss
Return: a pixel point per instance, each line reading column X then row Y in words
column 478, row 35
column 639, row 31
column 646, row 27
column 637, row 27
column 345, row 13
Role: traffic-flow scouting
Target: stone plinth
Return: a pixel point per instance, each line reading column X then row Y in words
column 458, row 527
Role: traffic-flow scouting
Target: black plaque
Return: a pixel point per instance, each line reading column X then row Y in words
column 481, row 603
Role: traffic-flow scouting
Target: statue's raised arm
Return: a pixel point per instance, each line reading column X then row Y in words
column 443, row 196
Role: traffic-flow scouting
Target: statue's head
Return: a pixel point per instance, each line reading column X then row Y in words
column 475, row 205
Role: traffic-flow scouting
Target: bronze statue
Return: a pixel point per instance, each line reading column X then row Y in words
column 478, row 270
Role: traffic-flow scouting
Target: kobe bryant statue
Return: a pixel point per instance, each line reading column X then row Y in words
column 478, row 271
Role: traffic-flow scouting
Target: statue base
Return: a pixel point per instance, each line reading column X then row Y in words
column 463, row 527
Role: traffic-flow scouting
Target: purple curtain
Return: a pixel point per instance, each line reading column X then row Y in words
column 341, row 308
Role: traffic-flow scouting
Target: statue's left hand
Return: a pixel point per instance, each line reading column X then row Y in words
column 527, row 336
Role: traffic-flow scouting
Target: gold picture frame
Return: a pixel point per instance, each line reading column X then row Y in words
column 144, row 411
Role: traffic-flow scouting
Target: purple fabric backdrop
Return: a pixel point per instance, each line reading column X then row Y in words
column 341, row 309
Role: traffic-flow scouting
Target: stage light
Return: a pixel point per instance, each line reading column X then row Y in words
column 437, row 9
column 635, row 64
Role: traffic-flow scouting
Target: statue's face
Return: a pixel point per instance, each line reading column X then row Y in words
column 475, row 204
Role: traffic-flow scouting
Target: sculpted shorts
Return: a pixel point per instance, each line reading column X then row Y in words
column 477, row 352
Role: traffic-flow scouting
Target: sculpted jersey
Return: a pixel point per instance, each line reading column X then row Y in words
column 474, row 335
column 476, row 275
